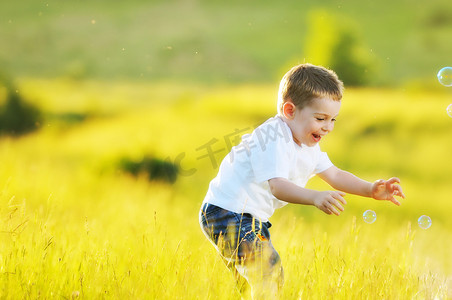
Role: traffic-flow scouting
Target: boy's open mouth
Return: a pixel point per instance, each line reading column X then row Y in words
column 316, row 137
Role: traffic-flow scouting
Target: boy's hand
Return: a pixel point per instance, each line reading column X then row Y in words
column 386, row 190
column 330, row 202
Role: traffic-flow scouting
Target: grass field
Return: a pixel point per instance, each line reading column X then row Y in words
column 214, row 41
column 73, row 225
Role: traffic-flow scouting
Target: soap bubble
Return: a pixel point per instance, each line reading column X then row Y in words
column 449, row 110
column 445, row 76
column 424, row 222
column 369, row 216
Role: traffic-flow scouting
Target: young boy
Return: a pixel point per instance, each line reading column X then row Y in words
column 270, row 168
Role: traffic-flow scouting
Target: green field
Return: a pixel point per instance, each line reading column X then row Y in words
column 213, row 41
column 73, row 225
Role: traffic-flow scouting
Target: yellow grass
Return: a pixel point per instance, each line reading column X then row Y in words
column 74, row 226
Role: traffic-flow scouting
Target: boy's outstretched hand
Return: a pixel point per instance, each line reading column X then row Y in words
column 330, row 202
column 386, row 190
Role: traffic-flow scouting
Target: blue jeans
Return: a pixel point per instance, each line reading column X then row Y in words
column 242, row 241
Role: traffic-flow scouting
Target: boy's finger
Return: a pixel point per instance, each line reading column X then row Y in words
column 333, row 210
column 394, row 200
column 333, row 202
column 393, row 180
column 380, row 182
column 339, row 206
column 399, row 191
column 340, row 198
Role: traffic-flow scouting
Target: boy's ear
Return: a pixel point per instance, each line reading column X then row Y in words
column 289, row 110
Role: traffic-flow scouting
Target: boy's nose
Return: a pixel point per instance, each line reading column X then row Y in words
column 328, row 127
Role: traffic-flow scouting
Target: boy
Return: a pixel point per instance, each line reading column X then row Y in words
column 270, row 168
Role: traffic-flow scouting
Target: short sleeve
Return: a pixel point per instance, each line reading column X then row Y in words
column 270, row 157
column 323, row 163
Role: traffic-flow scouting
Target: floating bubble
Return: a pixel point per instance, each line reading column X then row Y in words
column 445, row 76
column 424, row 222
column 449, row 110
column 369, row 216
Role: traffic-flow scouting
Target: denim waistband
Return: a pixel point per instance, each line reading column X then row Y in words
column 206, row 205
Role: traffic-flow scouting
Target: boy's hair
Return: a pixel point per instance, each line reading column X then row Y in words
column 305, row 82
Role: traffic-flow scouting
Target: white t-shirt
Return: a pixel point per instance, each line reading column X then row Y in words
column 241, row 185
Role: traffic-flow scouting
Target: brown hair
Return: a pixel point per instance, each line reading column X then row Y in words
column 305, row 82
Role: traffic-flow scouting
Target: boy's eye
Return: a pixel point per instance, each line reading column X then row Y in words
column 323, row 119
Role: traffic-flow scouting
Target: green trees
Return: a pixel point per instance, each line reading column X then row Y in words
column 335, row 43
column 16, row 115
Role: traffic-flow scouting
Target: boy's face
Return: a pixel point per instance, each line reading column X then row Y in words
column 314, row 121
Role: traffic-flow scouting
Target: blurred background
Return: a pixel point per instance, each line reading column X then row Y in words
column 388, row 43
column 115, row 115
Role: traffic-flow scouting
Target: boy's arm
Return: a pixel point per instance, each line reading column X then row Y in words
column 349, row 183
column 327, row 201
column 346, row 182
